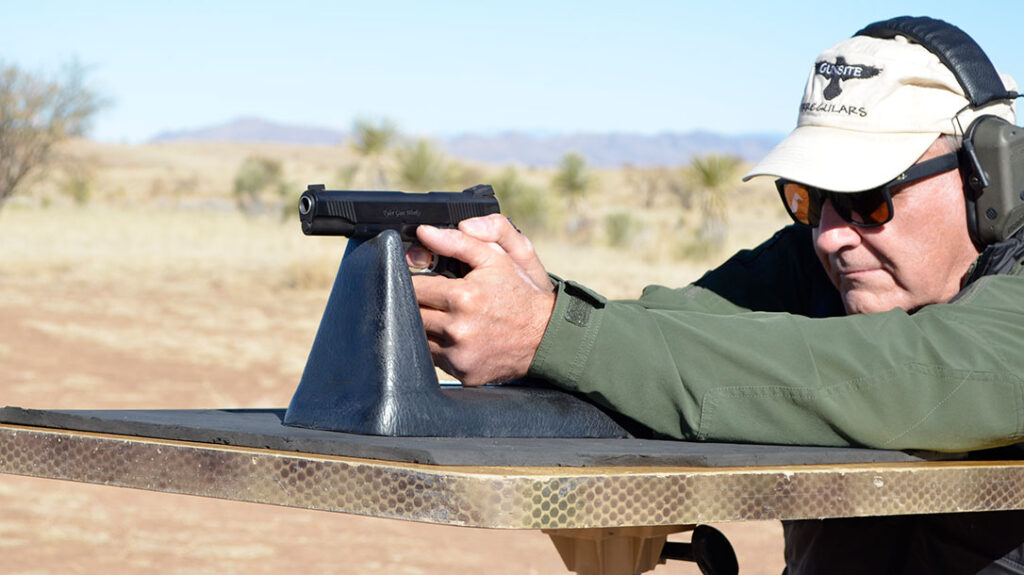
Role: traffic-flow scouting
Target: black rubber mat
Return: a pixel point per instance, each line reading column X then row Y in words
column 262, row 428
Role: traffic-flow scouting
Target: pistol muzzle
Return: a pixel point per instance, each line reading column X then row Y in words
column 306, row 203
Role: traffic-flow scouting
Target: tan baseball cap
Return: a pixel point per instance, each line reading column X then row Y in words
column 870, row 109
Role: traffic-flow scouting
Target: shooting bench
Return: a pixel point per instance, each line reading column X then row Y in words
column 608, row 504
column 392, row 443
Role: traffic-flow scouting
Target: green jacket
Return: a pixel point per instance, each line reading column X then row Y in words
column 759, row 351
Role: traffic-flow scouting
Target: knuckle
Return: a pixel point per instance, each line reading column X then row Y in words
column 458, row 333
column 463, row 298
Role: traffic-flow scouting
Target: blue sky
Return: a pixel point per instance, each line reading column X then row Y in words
column 447, row 67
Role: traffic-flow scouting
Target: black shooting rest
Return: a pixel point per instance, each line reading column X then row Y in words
column 370, row 370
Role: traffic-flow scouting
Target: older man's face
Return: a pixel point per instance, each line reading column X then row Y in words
column 916, row 259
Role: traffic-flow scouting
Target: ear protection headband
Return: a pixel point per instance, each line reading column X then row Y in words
column 992, row 158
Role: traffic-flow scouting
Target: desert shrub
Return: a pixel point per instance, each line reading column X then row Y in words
column 713, row 177
column 621, row 229
column 422, row 167
column 259, row 186
column 78, row 187
column 371, row 139
column 573, row 181
column 526, row 205
column 345, row 176
column 462, row 176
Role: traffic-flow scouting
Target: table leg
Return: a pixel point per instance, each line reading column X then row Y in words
column 612, row 551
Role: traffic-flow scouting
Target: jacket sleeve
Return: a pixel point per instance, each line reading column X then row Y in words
column 693, row 365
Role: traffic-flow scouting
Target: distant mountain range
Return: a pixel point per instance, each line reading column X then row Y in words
column 600, row 149
column 254, row 130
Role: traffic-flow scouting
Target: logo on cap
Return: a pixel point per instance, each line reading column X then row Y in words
column 840, row 70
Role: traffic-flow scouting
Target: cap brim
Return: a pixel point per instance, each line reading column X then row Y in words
column 842, row 160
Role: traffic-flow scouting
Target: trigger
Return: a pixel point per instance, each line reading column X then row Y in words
column 419, row 258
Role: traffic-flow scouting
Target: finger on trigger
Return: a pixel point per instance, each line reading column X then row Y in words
column 418, row 257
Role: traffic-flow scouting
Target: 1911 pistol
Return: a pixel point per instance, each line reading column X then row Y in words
column 364, row 214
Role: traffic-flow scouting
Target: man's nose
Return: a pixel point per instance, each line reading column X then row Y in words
column 834, row 233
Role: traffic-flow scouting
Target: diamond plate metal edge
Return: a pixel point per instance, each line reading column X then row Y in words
column 512, row 498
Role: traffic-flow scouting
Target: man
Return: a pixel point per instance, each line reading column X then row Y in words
column 858, row 327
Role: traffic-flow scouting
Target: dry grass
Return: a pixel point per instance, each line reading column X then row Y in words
column 158, row 294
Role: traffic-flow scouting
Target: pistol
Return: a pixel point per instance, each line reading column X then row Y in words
column 363, row 215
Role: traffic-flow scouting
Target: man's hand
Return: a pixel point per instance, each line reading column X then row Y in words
column 486, row 326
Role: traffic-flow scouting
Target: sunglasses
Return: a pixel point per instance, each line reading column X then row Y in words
column 867, row 209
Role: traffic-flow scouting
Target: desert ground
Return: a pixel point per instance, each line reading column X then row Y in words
column 160, row 295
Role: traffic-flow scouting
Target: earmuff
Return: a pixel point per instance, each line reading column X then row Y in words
column 992, row 157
